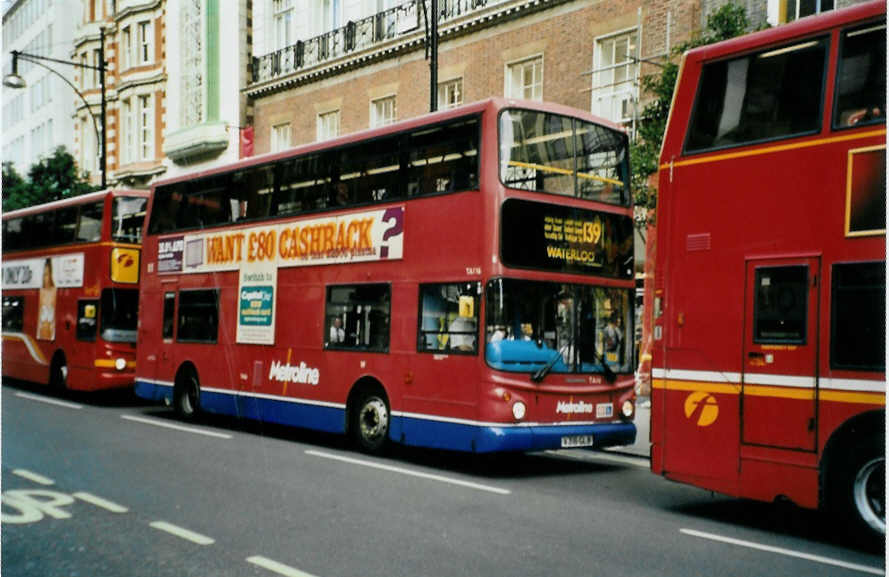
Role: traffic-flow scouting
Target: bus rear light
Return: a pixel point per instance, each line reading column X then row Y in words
column 120, row 364
column 627, row 409
column 518, row 410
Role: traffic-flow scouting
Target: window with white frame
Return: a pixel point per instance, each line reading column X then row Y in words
column 97, row 63
column 382, row 111
column 280, row 137
column 145, row 42
column 784, row 11
column 524, row 79
column 283, row 16
column 328, row 125
column 146, row 128
column 450, row 94
column 614, row 76
column 129, row 132
column 87, row 146
column 126, row 47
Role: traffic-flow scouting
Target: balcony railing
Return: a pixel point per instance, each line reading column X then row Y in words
column 359, row 35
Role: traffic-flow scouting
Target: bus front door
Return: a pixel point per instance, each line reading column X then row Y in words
column 779, row 378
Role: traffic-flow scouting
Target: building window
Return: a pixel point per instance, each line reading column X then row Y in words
column 382, row 111
column 449, row 318
column 129, row 132
column 126, row 47
column 145, row 42
column 614, row 74
column 524, row 79
column 450, row 94
column 328, row 125
column 146, row 124
column 784, row 11
column 280, row 137
column 283, row 15
column 357, row 317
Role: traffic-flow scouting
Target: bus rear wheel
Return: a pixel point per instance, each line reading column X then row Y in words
column 859, row 494
column 187, row 397
column 58, row 373
column 370, row 423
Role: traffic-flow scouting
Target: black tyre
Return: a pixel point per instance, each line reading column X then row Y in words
column 58, row 373
column 858, row 491
column 370, row 423
column 187, row 397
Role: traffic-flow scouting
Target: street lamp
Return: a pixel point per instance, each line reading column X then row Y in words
column 13, row 80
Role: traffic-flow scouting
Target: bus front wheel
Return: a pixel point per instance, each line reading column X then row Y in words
column 370, row 423
column 187, row 397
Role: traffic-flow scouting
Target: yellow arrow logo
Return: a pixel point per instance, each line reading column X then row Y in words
column 702, row 408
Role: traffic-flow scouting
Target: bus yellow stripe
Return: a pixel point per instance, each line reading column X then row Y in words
column 109, row 364
column 33, row 348
column 863, row 398
column 773, row 149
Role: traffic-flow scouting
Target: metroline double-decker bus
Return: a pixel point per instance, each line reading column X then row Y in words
column 769, row 311
column 70, row 290
column 462, row 280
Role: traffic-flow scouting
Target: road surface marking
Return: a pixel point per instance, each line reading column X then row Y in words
column 40, row 399
column 182, row 533
column 408, row 472
column 276, row 567
column 40, row 479
column 176, row 427
column 787, row 552
column 100, row 502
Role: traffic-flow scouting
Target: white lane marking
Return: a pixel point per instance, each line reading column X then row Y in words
column 279, row 568
column 410, row 473
column 49, row 401
column 787, row 552
column 176, row 427
column 40, row 479
column 100, row 502
column 182, row 533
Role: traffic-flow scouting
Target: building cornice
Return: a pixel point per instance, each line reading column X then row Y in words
column 201, row 140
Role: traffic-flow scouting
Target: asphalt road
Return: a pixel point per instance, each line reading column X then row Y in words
column 103, row 486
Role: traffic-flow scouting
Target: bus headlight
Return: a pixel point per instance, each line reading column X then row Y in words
column 120, row 364
column 627, row 409
column 518, row 410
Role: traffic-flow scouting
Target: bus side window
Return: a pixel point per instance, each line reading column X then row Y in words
column 13, row 314
column 449, row 317
column 87, row 320
column 198, row 316
column 857, row 316
column 861, row 77
column 357, row 316
column 169, row 320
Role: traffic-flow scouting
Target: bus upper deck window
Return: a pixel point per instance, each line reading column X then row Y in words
column 861, row 77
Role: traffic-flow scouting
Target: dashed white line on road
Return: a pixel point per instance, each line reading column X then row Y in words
column 786, row 552
column 40, row 479
column 100, row 502
column 279, row 568
column 48, row 401
column 411, row 473
column 194, row 430
column 182, row 533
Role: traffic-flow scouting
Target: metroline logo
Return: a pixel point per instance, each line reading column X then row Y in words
column 569, row 408
column 287, row 373
column 702, row 408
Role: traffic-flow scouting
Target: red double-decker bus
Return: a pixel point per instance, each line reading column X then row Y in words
column 463, row 280
column 70, row 290
column 769, row 310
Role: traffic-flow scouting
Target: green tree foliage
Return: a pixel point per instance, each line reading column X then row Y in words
column 53, row 178
column 728, row 21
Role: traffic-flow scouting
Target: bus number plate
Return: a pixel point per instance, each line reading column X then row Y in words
column 577, row 441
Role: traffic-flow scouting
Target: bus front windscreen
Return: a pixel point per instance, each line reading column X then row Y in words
column 120, row 315
column 556, row 327
column 561, row 155
column 127, row 215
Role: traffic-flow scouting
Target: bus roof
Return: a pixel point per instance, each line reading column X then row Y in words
column 493, row 104
column 803, row 27
column 74, row 200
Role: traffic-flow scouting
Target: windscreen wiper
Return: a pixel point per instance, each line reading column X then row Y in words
column 541, row 373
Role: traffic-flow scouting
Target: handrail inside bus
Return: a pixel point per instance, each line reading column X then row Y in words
column 564, row 171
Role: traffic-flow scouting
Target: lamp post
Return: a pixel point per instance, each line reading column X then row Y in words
column 13, row 80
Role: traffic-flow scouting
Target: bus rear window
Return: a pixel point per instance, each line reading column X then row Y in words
column 768, row 95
